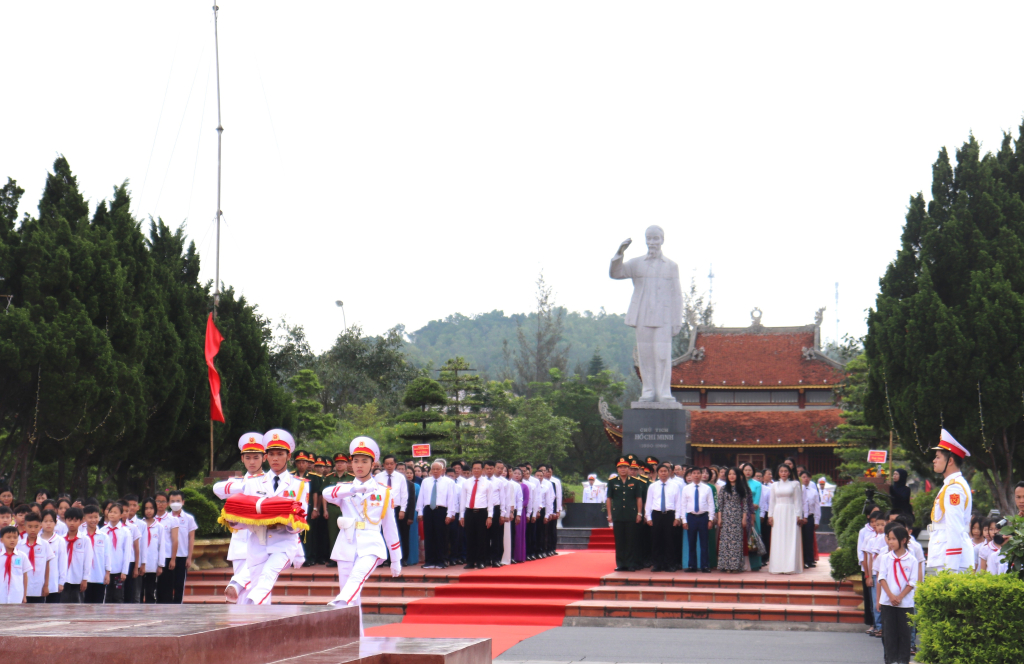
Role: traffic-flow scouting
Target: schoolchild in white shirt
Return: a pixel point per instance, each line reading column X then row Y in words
column 132, row 585
column 121, row 541
column 187, row 527
column 168, row 548
column 874, row 548
column 59, row 564
column 151, row 552
column 98, row 574
column 77, row 559
column 39, row 557
column 62, row 506
column 14, row 568
column 897, row 578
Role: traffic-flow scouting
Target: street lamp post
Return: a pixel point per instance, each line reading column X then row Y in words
column 341, row 305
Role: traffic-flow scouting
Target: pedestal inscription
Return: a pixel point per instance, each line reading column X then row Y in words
column 664, row 434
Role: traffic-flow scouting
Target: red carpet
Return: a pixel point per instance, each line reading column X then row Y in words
column 502, row 638
column 601, row 539
column 533, row 593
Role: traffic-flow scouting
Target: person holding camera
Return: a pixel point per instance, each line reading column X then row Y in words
column 950, row 546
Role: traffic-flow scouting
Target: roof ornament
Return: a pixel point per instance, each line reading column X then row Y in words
column 819, row 316
column 698, row 354
column 808, row 353
column 606, row 413
column 755, row 317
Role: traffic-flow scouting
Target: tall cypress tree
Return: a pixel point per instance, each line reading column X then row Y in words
column 945, row 340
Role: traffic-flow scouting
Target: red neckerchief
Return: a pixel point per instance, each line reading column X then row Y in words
column 149, row 535
column 31, row 552
column 113, row 533
column 8, row 570
column 71, row 548
column 92, row 538
column 897, row 569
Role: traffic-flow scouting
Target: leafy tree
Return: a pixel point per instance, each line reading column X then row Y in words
column 358, row 369
column 542, row 348
column 290, row 352
column 945, row 339
column 312, row 423
column 425, row 398
column 855, row 436
column 464, row 403
column 696, row 311
column 540, row 435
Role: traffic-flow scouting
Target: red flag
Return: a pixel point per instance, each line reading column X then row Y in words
column 213, row 339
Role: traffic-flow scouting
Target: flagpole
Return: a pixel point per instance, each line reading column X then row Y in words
column 220, row 133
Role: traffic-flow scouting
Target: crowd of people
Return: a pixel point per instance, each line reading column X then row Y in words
column 78, row 550
column 671, row 517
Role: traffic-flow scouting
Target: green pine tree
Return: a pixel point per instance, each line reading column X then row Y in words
column 944, row 339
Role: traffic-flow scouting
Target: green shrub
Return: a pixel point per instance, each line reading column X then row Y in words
column 205, row 511
column 843, row 560
column 968, row 618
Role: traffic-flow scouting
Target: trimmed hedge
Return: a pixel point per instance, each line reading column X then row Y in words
column 205, row 511
column 847, row 520
column 967, row 618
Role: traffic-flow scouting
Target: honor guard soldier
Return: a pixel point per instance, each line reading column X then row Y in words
column 251, row 447
column 625, row 510
column 269, row 550
column 367, row 525
column 950, row 546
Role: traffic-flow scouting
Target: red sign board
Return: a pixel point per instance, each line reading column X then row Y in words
column 877, row 456
column 421, row 450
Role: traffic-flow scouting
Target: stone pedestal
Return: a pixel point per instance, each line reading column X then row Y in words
column 659, row 432
column 213, row 634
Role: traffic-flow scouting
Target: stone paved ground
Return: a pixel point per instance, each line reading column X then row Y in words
column 596, row 645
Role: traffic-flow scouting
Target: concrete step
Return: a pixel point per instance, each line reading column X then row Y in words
column 723, row 596
column 713, row 611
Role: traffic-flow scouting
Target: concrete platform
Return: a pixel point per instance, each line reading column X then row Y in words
column 213, row 634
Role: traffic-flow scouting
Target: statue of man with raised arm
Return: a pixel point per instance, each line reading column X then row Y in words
column 656, row 311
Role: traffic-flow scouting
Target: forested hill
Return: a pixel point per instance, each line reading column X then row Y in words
column 480, row 338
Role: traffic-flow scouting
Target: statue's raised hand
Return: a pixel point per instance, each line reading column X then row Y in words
column 623, row 246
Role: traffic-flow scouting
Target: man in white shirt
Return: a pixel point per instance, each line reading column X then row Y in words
column 661, row 510
column 556, row 488
column 496, row 532
column 474, row 516
column 544, row 508
column 397, row 482
column 456, row 533
column 698, row 506
column 437, row 494
column 812, row 508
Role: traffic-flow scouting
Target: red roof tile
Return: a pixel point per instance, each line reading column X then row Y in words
column 791, row 427
column 753, row 359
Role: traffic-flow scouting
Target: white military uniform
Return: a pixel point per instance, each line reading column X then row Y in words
column 249, row 442
column 595, row 493
column 269, row 550
column 239, row 538
column 950, row 546
column 367, row 530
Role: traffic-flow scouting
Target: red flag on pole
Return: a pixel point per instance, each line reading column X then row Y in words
column 213, row 339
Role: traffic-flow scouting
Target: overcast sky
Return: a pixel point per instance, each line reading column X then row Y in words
column 417, row 159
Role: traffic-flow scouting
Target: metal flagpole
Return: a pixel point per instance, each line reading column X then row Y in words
column 220, row 133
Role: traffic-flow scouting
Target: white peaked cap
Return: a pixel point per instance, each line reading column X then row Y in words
column 364, row 445
column 279, row 439
column 251, row 442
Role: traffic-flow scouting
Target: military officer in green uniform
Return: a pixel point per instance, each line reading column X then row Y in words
column 625, row 509
column 339, row 476
column 318, row 525
column 303, row 460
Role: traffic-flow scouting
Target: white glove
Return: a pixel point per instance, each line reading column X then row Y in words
column 360, row 489
column 396, row 568
column 345, row 522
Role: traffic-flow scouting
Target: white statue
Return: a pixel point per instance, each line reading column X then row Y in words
column 656, row 311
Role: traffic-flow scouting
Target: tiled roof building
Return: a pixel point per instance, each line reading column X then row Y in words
column 757, row 394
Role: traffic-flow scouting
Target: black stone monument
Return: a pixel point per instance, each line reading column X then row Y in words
column 661, row 433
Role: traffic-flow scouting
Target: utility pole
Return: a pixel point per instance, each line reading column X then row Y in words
column 220, row 133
